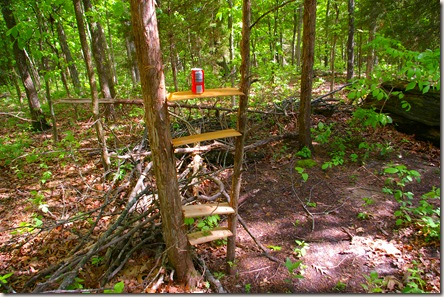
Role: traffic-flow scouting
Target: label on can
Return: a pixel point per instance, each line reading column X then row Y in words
column 197, row 80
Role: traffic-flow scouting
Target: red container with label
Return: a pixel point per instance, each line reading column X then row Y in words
column 197, row 81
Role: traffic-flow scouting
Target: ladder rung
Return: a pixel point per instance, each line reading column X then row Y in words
column 206, row 236
column 205, row 136
column 201, row 210
column 208, row 93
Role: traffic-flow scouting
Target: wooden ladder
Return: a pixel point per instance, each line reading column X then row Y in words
column 202, row 210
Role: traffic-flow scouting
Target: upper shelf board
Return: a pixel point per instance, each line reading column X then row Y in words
column 184, row 95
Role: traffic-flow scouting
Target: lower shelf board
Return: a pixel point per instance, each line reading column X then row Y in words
column 205, row 136
column 207, row 236
column 202, row 210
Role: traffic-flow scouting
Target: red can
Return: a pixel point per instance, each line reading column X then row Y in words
column 197, row 81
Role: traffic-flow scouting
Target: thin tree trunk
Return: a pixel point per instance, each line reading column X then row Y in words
column 45, row 62
column 149, row 56
column 241, row 127
column 333, row 49
column 351, row 40
column 231, row 49
column 327, row 31
column 74, row 74
column 93, row 85
column 298, row 42
column 370, row 52
column 103, row 64
column 131, row 53
column 39, row 122
column 304, row 122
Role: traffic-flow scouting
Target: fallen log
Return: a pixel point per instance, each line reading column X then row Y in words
column 424, row 117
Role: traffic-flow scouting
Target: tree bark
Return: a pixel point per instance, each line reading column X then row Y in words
column 93, row 85
column 304, row 122
column 149, row 56
column 39, row 122
column 351, row 39
column 241, row 127
column 100, row 53
column 74, row 74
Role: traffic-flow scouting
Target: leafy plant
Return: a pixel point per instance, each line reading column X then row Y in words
column 96, row 260
column 303, row 174
column 322, row 132
column 275, row 247
column 340, row 286
column 3, row 278
column 301, row 249
column 117, row 289
column 219, row 274
column 247, row 288
column 292, row 268
column 305, row 153
column 374, row 283
column 415, row 283
column 76, row 284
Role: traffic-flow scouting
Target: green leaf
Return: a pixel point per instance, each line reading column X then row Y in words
column 411, row 86
column 391, row 170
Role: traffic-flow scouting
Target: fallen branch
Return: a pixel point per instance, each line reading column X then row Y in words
column 256, row 241
column 15, row 116
column 209, row 277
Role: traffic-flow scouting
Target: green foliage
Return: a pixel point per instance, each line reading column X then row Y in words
column 96, row 260
column 275, row 247
column 76, row 284
column 301, row 249
column 292, row 268
column 415, row 283
column 4, row 277
column 370, row 118
column 340, row 286
column 420, row 69
column 117, row 289
column 322, row 132
column 305, row 153
column 374, row 284
column 303, row 174
column 247, row 288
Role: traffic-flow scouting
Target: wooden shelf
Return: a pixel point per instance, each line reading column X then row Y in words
column 205, row 136
column 184, row 95
column 206, row 236
column 201, row 210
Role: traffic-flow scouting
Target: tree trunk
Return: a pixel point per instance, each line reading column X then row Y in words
column 93, row 85
column 241, row 127
column 39, row 122
column 45, row 62
column 351, row 39
column 74, row 74
column 298, row 42
column 308, row 37
column 131, row 53
column 370, row 51
column 103, row 64
column 149, row 56
column 231, row 50
column 333, row 48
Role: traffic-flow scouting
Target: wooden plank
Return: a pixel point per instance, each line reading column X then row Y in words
column 205, row 136
column 207, row 236
column 184, row 95
column 201, row 210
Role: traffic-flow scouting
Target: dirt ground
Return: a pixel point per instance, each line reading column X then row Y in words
column 339, row 248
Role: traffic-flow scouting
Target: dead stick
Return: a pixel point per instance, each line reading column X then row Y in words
column 256, row 241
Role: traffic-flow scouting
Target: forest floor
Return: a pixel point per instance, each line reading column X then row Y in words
column 335, row 228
